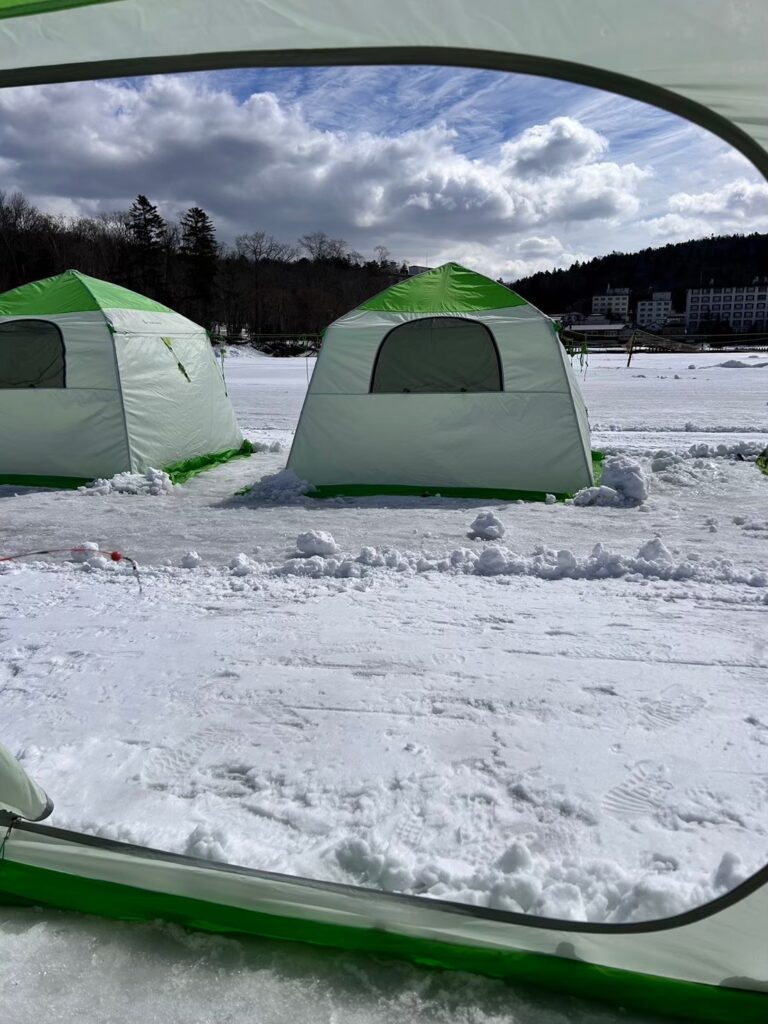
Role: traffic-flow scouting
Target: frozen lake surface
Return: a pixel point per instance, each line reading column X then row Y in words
column 520, row 723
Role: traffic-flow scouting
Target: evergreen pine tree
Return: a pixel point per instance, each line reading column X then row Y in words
column 199, row 251
column 146, row 229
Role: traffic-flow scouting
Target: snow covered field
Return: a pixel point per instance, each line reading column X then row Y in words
column 523, row 722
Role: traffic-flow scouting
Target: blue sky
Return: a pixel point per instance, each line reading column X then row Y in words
column 509, row 173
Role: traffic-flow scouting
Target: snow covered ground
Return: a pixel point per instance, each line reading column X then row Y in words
column 522, row 722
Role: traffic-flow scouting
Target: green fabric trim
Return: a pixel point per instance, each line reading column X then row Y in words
column 762, row 462
column 18, row 8
column 73, row 292
column 447, row 289
column 180, row 366
column 681, row 999
column 484, row 493
column 180, row 472
column 58, row 482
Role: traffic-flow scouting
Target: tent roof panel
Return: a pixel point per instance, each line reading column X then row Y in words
column 72, row 292
column 688, row 57
column 450, row 288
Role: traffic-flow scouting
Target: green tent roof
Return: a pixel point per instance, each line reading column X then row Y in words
column 447, row 289
column 73, row 292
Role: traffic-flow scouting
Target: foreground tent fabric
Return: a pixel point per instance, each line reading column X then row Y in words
column 447, row 382
column 701, row 59
column 709, row 964
column 96, row 380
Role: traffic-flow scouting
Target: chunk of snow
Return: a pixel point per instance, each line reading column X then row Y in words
column 84, row 551
column 626, row 476
column 604, row 496
column 486, row 526
column 655, row 551
column 550, row 499
column 241, row 565
column 191, row 560
column 316, row 542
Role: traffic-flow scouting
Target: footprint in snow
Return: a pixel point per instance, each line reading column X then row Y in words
column 670, row 709
column 168, row 768
column 643, row 793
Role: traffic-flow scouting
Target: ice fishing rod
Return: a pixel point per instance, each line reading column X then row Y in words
column 113, row 556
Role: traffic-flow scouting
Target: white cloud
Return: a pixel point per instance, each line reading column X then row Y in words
column 736, row 206
column 546, row 149
column 551, row 193
column 258, row 163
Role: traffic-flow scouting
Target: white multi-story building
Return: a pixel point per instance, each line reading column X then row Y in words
column 615, row 302
column 655, row 310
column 745, row 308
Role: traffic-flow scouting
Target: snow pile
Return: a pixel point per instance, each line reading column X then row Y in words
column 654, row 560
column 523, row 880
column 154, row 481
column 316, row 542
column 486, row 526
column 89, row 556
column 242, row 565
column 284, row 486
column 738, row 450
column 88, row 549
column 191, row 560
column 738, row 364
column 264, row 446
column 624, row 485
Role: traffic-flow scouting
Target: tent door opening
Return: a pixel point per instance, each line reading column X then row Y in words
column 31, row 355
column 437, row 355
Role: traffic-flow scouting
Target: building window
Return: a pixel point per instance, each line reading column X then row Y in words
column 31, row 355
column 437, row 355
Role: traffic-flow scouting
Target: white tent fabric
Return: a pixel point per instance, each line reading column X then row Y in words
column 20, row 796
column 702, row 59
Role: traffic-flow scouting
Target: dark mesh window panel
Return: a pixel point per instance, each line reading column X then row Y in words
column 31, row 355
column 437, row 355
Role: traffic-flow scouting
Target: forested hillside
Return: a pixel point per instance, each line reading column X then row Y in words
column 262, row 285
column 721, row 261
column 259, row 284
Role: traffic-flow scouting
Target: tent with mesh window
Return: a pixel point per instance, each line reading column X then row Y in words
column 444, row 383
column 96, row 380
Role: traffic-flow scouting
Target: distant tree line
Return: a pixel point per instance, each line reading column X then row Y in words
column 258, row 285
column 719, row 261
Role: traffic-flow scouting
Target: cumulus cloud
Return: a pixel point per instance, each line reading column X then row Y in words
column 736, row 206
column 258, row 163
column 551, row 148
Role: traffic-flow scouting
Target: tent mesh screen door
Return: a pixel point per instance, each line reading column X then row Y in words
column 31, row 355
column 437, row 355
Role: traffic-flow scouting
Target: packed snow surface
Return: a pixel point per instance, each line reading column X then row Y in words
column 547, row 708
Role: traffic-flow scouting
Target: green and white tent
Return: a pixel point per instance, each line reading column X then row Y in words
column 96, row 380
column 445, row 383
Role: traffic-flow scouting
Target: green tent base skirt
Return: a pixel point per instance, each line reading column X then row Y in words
column 179, row 472
column 633, row 966
column 479, row 493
